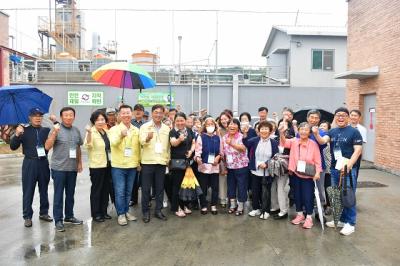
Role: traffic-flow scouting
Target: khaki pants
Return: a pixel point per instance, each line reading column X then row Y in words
column 279, row 193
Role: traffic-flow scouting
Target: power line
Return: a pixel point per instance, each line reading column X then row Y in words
column 174, row 10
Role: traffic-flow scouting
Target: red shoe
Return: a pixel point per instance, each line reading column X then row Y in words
column 299, row 219
column 308, row 224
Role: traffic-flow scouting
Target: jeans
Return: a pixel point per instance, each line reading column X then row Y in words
column 237, row 180
column 63, row 180
column 349, row 215
column 304, row 194
column 35, row 171
column 123, row 179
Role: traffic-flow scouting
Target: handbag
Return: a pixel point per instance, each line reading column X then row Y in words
column 178, row 164
column 348, row 194
column 310, row 169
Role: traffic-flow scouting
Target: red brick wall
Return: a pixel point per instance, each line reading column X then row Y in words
column 374, row 40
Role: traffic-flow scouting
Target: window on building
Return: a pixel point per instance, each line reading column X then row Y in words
column 322, row 59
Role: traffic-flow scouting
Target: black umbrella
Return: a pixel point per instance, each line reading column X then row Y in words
column 301, row 115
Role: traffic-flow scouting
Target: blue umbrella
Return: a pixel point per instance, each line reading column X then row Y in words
column 16, row 101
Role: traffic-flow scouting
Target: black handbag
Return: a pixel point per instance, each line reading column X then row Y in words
column 178, row 164
column 348, row 194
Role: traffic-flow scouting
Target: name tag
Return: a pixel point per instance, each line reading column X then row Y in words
column 229, row 158
column 337, row 152
column 158, row 148
column 211, row 158
column 341, row 162
column 40, row 151
column 128, row 152
column 72, row 153
column 281, row 149
column 301, row 166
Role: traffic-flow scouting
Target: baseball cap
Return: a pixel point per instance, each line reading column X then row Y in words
column 146, row 113
column 35, row 111
column 110, row 110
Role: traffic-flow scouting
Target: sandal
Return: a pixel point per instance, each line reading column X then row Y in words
column 238, row 213
column 204, row 211
column 180, row 213
column 232, row 210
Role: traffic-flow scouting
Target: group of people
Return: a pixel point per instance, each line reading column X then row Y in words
column 274, row 163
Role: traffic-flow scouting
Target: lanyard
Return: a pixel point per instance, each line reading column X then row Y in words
column 306, row 150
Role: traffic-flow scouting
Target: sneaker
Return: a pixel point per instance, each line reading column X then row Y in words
column 298, row 220
column 254, row 213
column 348, row 229
column 130, row 217
column 122, row 220
column 46, row 217
column 73, row 220
column 187, row 211
column 60, row 226
column 28, row 223
column 264, row 216
column 331, row 224
column 180, row 213
column 308, row 224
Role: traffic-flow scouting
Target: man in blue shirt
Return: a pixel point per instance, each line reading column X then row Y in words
column 346, row 148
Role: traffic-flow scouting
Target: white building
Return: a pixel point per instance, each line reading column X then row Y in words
column 305, row 56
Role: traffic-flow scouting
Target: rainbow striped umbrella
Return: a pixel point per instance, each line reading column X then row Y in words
column 123, row 75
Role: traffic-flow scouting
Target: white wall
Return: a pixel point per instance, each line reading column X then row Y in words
column 301, row 73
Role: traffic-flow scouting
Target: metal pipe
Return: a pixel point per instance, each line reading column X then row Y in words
column 199, row 96
column 208, row 94
column 192, row 95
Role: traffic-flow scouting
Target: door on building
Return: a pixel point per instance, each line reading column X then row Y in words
column 369, row 120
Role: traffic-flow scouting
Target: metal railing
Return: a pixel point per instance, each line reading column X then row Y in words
column 80, row 71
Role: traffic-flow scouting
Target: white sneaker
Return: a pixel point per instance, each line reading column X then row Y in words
column 130, row 217
column 264, row 216
column 122, row 220
column 165, row 204
column 348, row 229
column 254, row 213
column 331, row 224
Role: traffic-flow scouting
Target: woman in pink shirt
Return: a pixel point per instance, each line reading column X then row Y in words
column 303, row 151
column 235, row 154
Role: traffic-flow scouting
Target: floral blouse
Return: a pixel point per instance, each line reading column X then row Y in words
column 233, row 158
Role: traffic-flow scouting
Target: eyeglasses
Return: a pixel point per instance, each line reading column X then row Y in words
column 341, row 115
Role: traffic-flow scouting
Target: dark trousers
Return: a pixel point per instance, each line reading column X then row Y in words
column 237, row 180
column 135, row 189
column 176, row 179
column 100, row 178
column 150, row 173
column 304, row 194
column 35, row 171
column 63, row 180
column 168, row 183
column 256, row 191
column 206, row 181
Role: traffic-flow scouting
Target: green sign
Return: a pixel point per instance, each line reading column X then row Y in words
column 150, row 98
column 88, row 98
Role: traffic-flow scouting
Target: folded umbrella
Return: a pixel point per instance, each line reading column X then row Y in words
column 190, row 188
column 16, row 101
column 319, row 206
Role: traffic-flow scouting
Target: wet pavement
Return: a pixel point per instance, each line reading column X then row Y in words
column 197, row 240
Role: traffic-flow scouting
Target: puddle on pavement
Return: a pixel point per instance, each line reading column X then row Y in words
column 61, row 243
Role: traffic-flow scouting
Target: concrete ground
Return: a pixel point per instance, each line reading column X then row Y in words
column 197, row 240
